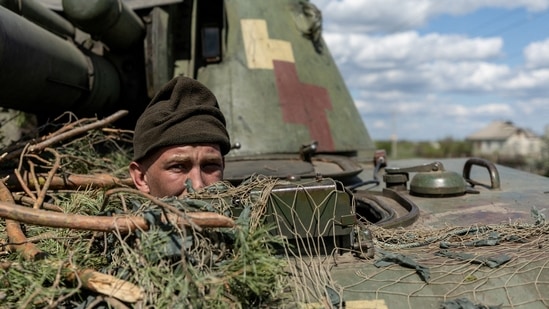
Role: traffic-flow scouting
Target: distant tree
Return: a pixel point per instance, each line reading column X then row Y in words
column 455, row 149
column 446, row 148
column 428, row 150
column 386, row 145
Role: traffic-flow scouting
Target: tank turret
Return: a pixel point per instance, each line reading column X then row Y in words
column 285, row 101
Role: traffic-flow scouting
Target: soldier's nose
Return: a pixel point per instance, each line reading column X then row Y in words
column 196, row 178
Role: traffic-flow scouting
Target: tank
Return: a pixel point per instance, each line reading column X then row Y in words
column 97, row 57
column 368, row 233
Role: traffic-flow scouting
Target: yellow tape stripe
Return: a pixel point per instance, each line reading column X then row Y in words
column 260, row 50
column 352, row 304
column 366, row 304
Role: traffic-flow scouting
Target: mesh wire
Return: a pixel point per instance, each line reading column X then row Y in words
column 503, row 266
column 254, row 265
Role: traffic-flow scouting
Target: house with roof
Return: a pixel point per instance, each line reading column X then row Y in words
column 505, row 140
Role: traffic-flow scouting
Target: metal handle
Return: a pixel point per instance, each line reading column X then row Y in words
column 492, row 170
column 430, row 167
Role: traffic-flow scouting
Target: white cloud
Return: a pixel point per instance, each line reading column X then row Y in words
column 364, row 106
column 408, row 47
column 432, row 85
column 535, row 106
column 376, row 15
column 379, row 124
column 458, row 110
column 529, row 80
column 410, row 62
column 436, row 76
column 383, row 96
column 465, row 75
column 468, row 6
column 537, row 54
column 411, row 107
column 388, row 16
column 494, row 109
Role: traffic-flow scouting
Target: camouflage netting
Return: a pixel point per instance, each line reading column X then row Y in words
column 99, row 243
column 497, row 266
column 181, row 252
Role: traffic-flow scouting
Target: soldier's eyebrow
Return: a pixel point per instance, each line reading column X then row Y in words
column 184, row 158
column 211, row 157
column 179, row 158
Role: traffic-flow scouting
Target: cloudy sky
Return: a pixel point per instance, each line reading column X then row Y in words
column 432, row 69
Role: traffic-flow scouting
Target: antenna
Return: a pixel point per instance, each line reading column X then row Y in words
column 394, row 137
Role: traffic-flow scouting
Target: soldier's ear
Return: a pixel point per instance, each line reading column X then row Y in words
column 137, row 174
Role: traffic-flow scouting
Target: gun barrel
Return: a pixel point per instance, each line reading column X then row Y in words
column 43, row 73
column 111, row 21
column 40, row 15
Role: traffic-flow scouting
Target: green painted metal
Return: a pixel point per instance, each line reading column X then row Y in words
column 250, row 99
column 514, row 202
column 311, row 208
column 288, row 95
column 430, row 180
column 518, row 194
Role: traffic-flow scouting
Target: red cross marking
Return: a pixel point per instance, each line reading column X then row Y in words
column 304, row 103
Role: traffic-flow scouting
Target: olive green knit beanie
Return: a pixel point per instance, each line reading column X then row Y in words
column 183, row 112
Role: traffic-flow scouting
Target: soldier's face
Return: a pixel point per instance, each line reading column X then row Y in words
column 167, row 170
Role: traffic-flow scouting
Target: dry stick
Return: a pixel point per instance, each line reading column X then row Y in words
column 58, row 274
column 118, row 134
column 51, row 173
column 21, row 178
column 91, row 279
column 13, row 229
column 26, row 304
column 68, row 157
column 117, row 131
column 46, row 235
column 68, row 126
column 107, row 285
column 23, row 199
column 21, row 153
column 38, row 158
column 123, row 202
column 111, row 302
column 72, row 181
column 122, row 223
column 76, row 131
column 68, row 134
column 152, row 198
column 32, row 175
column 22, row 185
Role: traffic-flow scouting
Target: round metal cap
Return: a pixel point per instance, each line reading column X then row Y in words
column 441, row 183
